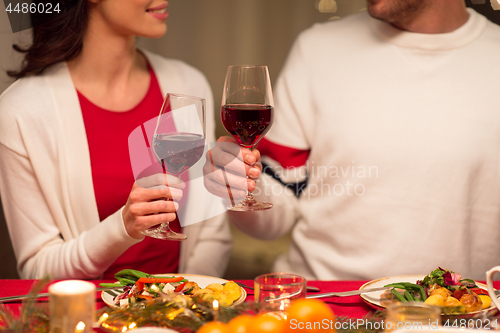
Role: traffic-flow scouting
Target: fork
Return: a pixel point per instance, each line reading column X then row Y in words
column 309, row 288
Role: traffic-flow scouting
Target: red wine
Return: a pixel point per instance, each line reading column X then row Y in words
column 247, row 123
column 177, row 152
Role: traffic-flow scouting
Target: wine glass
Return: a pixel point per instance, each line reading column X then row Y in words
column 178, row 143
column 247, row 114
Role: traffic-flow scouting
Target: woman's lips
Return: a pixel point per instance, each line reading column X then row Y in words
column 160, row 12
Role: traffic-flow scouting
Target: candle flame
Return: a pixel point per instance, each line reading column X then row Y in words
column 132, row 326
column 80, row 327
column 103, row 318
column 124, row 329
column 215, row 305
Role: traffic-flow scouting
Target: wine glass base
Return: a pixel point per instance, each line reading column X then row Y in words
column 250, row 205
column 164, row 233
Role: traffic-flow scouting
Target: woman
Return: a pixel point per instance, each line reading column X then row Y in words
column 71, row 204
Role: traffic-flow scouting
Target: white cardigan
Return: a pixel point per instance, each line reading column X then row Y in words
column 46, row 182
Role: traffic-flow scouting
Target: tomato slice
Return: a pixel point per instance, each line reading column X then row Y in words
column 143, row 280
column 145, row 296
column 179, row 287
column 479, row 291
column 458, row 293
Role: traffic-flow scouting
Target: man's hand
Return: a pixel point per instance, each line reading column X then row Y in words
column 227, row 167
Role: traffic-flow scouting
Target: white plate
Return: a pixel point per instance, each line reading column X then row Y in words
column 201, row 280
column 380, row 299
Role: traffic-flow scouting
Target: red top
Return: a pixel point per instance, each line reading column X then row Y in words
column 287, row 157
column 107, row 135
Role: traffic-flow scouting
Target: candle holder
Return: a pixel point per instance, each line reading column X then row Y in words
column 72, row 306
column 412, row 316
column 275, row 291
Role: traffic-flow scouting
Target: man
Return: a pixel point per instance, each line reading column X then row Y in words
column 395, row 116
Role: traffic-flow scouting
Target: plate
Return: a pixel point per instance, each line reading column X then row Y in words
column 201, row 280
column 381, row 299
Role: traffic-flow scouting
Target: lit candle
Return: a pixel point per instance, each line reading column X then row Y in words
column 102, row 319
column 215, row 306
column 71, row 306
column 80, row 327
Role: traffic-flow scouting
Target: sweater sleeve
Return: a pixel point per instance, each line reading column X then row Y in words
column 47, row 237
column 32, row 219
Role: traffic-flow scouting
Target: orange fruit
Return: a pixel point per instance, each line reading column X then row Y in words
column 213, row 327
column 240, row 324
column 266, row 323
column 309, row 315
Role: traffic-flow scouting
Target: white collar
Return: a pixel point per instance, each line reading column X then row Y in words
column 472, row 29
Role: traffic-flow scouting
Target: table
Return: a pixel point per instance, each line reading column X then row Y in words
column 346, row 306
column 352, row 306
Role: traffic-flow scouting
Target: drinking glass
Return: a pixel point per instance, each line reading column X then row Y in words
column 275, row 291
column 247, row 114
column 178, row 143
column 412, row 316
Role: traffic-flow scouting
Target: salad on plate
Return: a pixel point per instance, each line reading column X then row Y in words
column 444, row 288
column 140, row 286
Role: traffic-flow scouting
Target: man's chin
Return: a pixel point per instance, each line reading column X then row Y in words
column 376, row 13
column 376, row 9
column 393, row 11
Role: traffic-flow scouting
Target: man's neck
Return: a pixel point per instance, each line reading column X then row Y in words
column 443, row 17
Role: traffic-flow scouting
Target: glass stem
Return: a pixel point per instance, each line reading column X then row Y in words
column 249, row 194
column 166, row 227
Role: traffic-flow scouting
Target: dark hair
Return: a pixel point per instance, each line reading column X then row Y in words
column 59, row 39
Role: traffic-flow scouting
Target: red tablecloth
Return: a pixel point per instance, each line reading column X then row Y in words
column 352, row 306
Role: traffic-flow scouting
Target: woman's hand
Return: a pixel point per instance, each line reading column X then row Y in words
column 147, row 205
column 227, row 167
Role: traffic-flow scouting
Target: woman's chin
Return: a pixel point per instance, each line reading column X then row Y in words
column 155, row 33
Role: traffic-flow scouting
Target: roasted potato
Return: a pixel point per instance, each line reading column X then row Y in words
column 436, row 299
column 441, row 291
column 233, row 290
column 190, row 288
column 453, row 306
column 452, row 301
column 471, row 302
column 204, row 295
column 224, row 298
column 215, row 287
